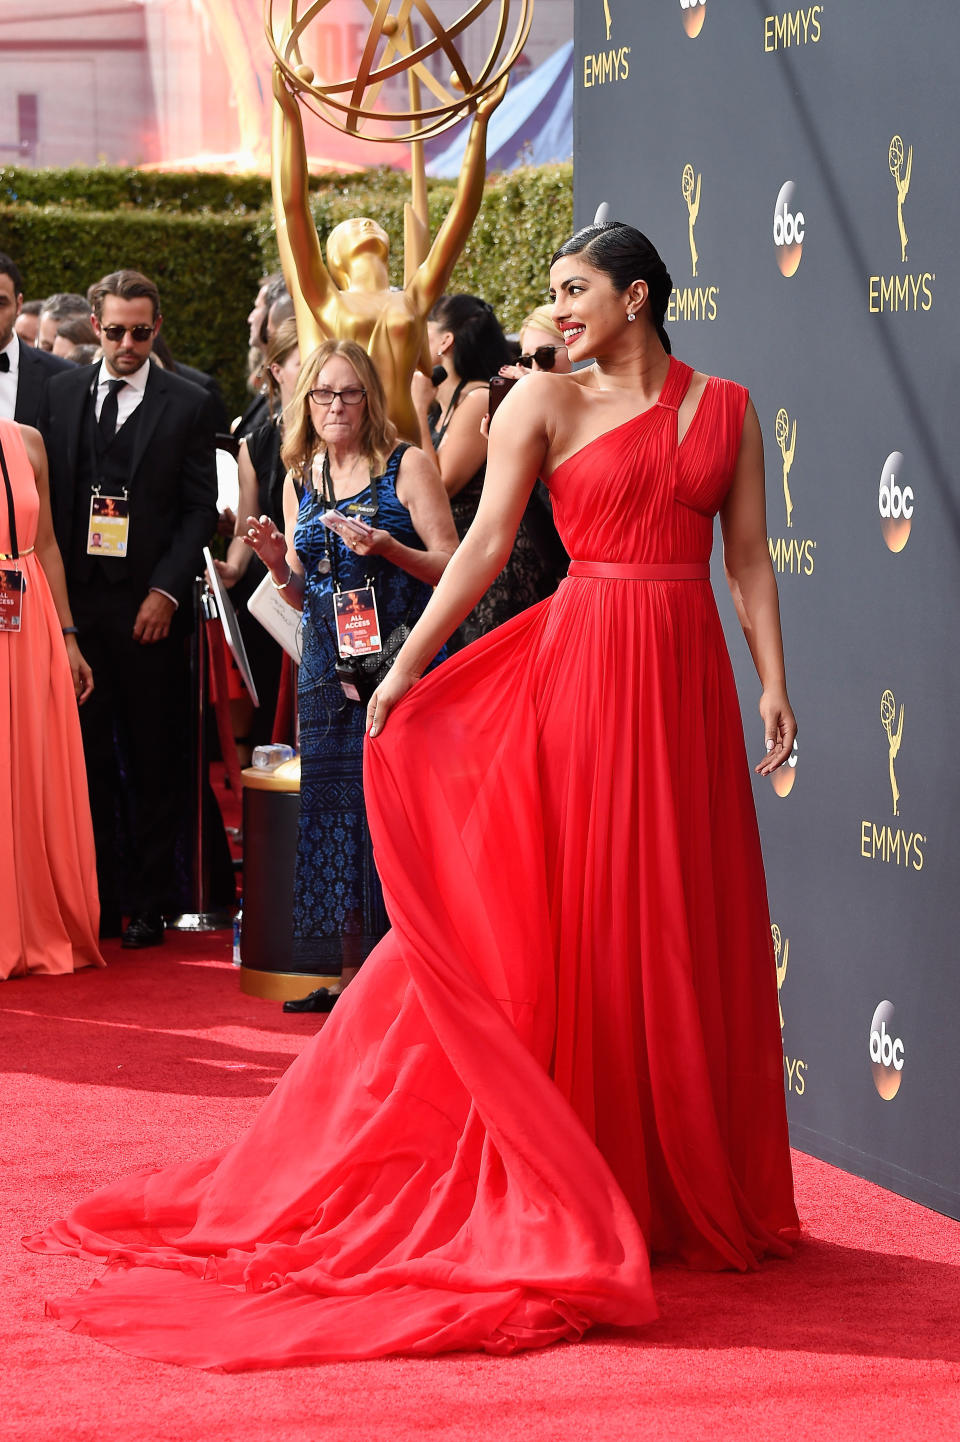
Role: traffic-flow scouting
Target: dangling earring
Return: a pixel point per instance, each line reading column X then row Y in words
column 631, row 315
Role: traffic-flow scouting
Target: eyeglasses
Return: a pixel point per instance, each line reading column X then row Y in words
column 544, row 355
column 138, row 333
column 324, row 396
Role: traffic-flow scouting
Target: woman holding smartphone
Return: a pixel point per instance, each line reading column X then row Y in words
column 373, row 517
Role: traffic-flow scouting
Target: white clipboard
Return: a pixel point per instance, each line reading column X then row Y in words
column 283, row 622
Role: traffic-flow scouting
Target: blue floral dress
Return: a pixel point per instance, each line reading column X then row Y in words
column 337, row 892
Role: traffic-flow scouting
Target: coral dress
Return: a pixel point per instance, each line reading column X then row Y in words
column 565, row 1055
column 48, row 875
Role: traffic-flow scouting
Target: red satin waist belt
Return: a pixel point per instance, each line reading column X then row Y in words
column 637, row 571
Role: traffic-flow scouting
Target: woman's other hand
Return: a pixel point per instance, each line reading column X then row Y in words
column 79, row 669
column 392, row 689
column 375, row 543
column 516, row 373
column 780, row 730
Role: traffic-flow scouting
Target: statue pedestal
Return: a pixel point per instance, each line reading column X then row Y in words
column 271, row 809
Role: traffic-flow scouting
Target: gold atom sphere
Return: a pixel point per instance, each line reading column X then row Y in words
column 408, row 43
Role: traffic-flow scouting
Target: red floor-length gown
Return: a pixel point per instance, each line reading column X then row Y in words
column 566, row 1053
column 49, row 908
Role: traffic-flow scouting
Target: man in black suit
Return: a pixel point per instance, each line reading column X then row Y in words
column 24, row 370
column 134, row 493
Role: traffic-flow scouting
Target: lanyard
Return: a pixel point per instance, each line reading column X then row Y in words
column 14, row 548
column 330, row 500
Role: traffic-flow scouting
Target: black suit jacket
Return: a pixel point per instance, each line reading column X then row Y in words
column 207, row 382
column 172, row 479
column 35, row 370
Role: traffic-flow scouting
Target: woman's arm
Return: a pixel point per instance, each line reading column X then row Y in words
column 48, row 554
column 419, row 489
column 519, row 438
column 277, row 551
column 238, row 552
column 753, row 586
column 464, row 447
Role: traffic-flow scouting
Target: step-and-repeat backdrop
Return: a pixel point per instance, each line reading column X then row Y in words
column 796, row 169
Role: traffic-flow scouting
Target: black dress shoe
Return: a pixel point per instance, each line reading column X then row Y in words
column 319, row 1000
column 146, row 929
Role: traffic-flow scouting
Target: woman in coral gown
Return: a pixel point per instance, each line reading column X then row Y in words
column 48, row 875
column 565, row 1055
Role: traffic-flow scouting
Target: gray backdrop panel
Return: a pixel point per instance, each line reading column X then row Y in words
column 866, row 901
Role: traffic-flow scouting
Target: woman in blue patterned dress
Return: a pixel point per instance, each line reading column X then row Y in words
column 341, row 454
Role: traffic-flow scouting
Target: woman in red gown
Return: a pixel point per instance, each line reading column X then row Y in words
column 565, row 1055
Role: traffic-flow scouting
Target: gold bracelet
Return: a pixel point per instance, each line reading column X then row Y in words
column 282, row 585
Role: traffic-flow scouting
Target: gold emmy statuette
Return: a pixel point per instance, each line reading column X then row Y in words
column 779, row 945
column 350, row 297
column 608, row 18
column 690, row 186
column 782, row 430
column 888, row 710
column 902, row 181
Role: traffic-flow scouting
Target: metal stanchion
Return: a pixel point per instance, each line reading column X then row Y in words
column 200, row 918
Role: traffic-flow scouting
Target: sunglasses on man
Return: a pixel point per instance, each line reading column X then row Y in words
column 139, row 333
column 544, row 355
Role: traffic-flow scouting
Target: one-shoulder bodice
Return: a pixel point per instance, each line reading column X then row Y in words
column 637, row 494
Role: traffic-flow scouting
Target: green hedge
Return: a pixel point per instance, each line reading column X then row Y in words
column 207, row 239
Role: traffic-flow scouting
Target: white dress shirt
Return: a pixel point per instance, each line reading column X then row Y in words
column 128, row 396
column 8, row 379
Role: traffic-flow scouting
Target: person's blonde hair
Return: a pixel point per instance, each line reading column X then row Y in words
column 542, row 319
column 281, row 347
column 378, row 434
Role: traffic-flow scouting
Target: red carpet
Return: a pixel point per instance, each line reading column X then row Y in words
column 161, row 1057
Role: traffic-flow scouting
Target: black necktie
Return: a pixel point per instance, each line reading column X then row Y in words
column 4, row 362
column 107, row 424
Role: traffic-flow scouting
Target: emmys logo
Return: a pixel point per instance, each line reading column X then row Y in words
column 888, row 711
column 896, row 504
column 690, row 189
column 692, row 302
column 606, row 67
column 883, row 842
column 783, row 778
column 901, row 180
column 789, row 555
column 903, row 291
column 693, row 13
column 789, row 229
column 886, row 1052
column 794, row 1068
column 793, row 27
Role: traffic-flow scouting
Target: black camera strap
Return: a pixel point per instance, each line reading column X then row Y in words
column 330, row 501
column 11, row 511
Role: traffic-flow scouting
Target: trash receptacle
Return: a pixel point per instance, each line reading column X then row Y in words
column 271, row 811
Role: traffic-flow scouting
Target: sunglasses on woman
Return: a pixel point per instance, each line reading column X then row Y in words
column 544, row 355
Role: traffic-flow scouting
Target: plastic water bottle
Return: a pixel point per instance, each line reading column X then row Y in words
column 237, row 928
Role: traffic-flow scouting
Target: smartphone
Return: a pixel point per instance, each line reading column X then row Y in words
column 499, row 385
column 346, row 526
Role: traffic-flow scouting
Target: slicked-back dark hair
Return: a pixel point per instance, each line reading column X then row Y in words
column 480, row 347
column 128, row 285
column 8, row 266
column 625, row 254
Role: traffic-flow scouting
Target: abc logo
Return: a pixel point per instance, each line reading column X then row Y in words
column 886, row 1052
column 896, row 503
column 693, row 13
column 783, row 778
column 789, row 228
